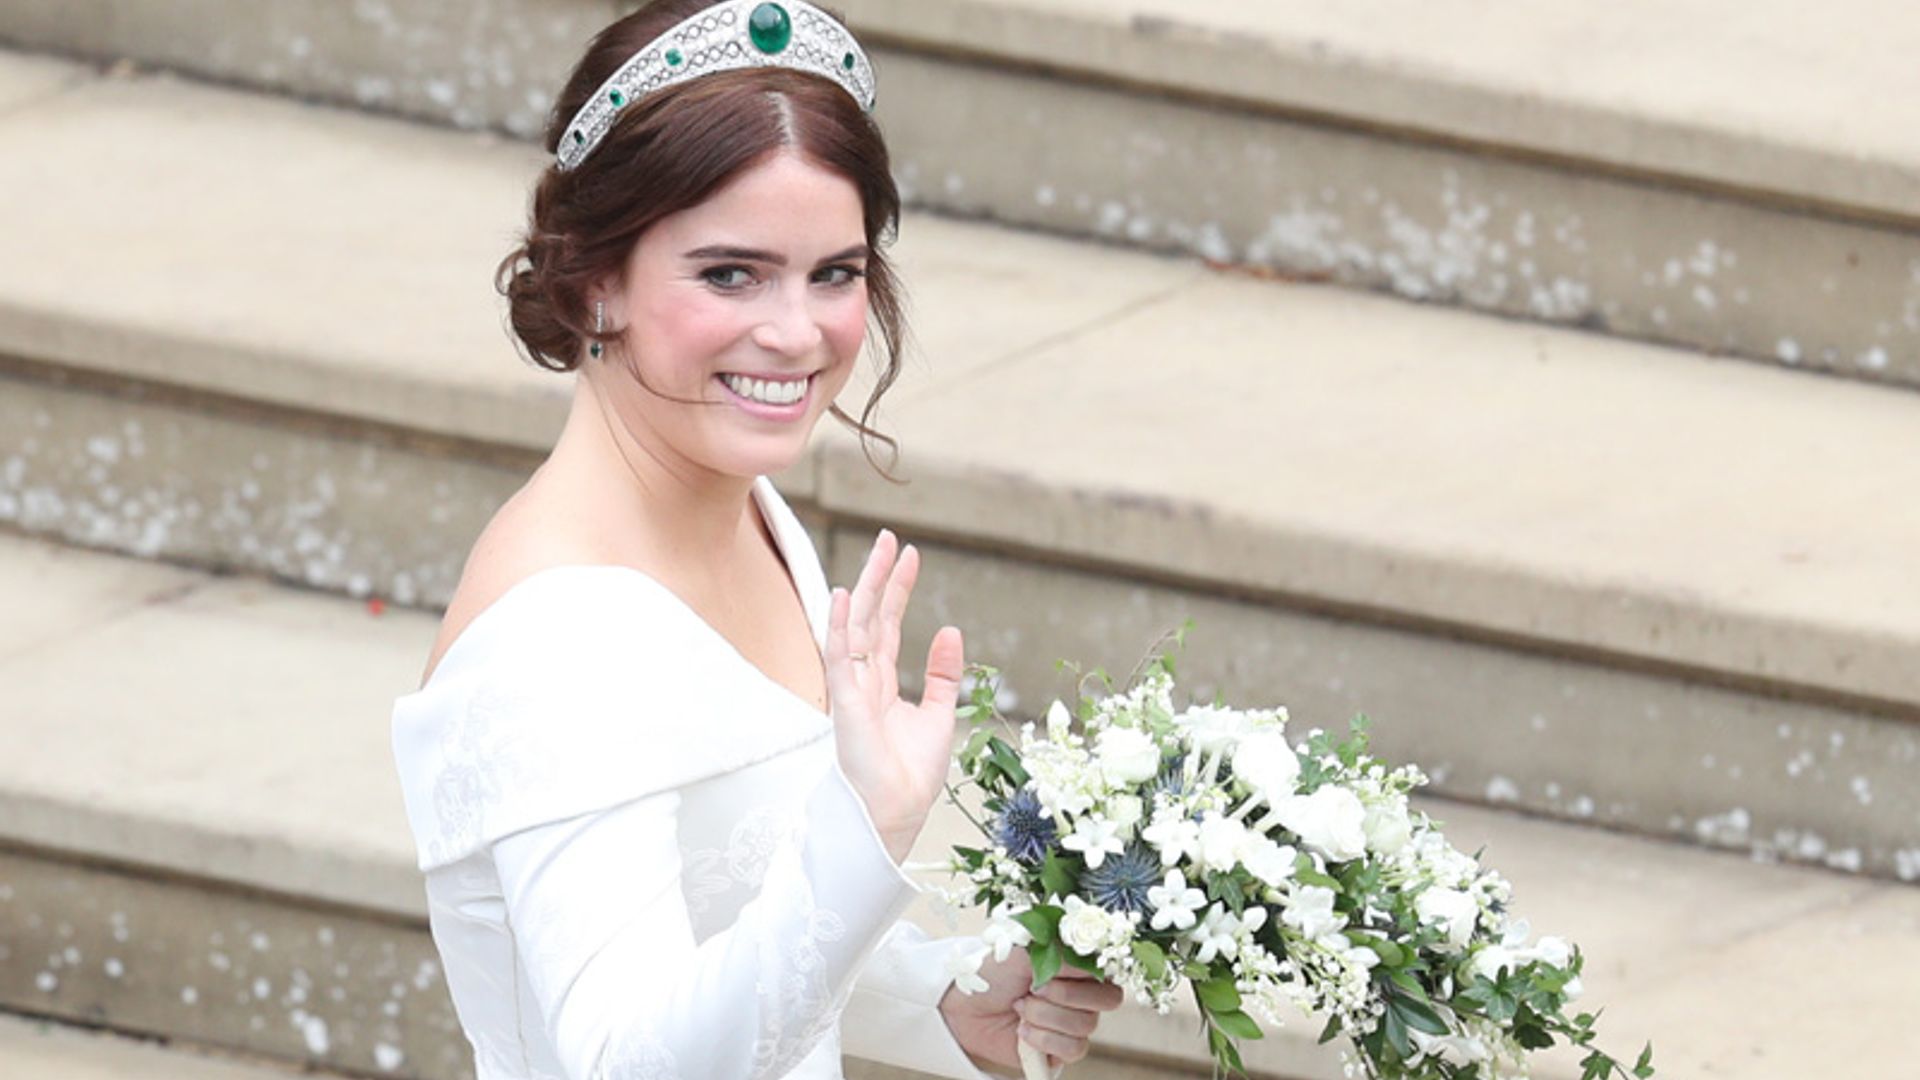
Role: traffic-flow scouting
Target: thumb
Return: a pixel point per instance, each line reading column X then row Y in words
column 946, row 661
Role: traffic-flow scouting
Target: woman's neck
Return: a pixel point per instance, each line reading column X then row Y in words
column 641, row 495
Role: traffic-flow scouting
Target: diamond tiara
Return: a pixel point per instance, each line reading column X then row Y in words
column 728, row 36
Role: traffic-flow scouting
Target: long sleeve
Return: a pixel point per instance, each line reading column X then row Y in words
column 894, row 1014
column 603, row 935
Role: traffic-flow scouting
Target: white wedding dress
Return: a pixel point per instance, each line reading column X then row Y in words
column 642, row 857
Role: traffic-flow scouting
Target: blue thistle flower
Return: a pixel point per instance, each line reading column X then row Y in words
column 1120, row 882
column 1024, row 829
column 1172, row 778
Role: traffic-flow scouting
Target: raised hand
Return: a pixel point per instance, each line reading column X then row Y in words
column 895, row 753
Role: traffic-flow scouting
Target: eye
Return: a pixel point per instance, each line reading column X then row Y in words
column 839, row 275
column 728, row 278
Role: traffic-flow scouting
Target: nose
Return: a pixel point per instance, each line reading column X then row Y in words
column 789, row 327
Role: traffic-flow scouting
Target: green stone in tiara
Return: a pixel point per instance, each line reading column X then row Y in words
column 674, row 59
column 847, row 62
column 770, row 28
column 617, row 98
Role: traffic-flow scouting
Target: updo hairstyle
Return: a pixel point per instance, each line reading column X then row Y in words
column 669, row 151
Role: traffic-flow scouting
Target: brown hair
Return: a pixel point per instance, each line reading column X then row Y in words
column 669, row 151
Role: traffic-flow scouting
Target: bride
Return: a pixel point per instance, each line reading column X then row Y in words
column 660, row 778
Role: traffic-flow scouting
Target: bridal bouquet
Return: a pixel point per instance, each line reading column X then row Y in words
column 1167, row 848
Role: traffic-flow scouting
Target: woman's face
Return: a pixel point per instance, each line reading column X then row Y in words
column 754, row 305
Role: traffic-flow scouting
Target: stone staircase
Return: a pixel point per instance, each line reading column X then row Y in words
column 250, row 355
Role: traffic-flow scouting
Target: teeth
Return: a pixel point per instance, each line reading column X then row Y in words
column 767, row 391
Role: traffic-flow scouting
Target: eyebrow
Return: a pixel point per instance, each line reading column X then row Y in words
column 723, row 251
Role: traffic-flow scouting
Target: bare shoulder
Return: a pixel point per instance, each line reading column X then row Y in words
column 513, row 547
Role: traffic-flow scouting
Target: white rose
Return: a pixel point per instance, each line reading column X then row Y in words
column 1387, row 827
column 1268, row 764
column 1572, row 989
column 1329, row 820
column 1125, row 812
column 1452, row 910
column 1127, row 755
column 1084, row 927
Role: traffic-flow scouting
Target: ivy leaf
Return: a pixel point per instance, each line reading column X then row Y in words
column 1055, row 877
column 1644, row 1067
column 1331, row 1031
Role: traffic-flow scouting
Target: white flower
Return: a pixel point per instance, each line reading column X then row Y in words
column 1311, row 912
column 1174, row 902
column 1573, row 988
column 1095, row 838
column 1221, row 841
column 1003, row 935
column 1267, row 859
column 1125, row 812
column 1387, row 827
column 1456, row 1050
column 1329, row 821
column 1265, row 761
column 1211, row 728
column 1492, row 960
column 1452, row 910
column 1087, row 928
column 1218, row 934
column 963, row 966
column 1554, row 952
column 1176, row 836
column 1059, row 722
column 1127, row 756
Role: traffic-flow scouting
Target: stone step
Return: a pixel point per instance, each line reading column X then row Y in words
column 1591, row 166
column 210, row 845
column 1565, row 573
column 36, row 1049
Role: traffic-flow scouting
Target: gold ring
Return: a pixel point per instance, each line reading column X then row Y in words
column 858, row 658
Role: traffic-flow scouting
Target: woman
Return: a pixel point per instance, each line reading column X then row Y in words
column 661, row 830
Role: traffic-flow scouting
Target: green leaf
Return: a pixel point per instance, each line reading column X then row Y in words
column 1331, row 1031
column 1396, row 1030
column 1151, row 958
column 1218, row 995
column 1238, row 1024
column 1055, row 877
column 1389, row 953
column 1040, row 922
column 1046, row 963
column 1644, row 1067
column 1417, row 1015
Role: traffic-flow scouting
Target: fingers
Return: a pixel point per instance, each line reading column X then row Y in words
column 866, row 591
column 1080, row 990
column 1041, row 1013
column 841, row 686
column 893, row 608
column 946, row 662
column 1060, row 1049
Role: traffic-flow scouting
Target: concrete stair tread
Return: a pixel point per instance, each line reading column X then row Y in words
column 33, row 1049
column 1769, row 96
column 244, row 739
column 1545, row 486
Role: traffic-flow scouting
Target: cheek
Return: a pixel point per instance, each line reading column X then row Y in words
column 689, row 330
column 845, row 326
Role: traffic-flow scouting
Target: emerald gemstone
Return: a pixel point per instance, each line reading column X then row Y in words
column 617, row 98
column 674, row 59
column 579, row 136
column 847, row 61
column 770, row 28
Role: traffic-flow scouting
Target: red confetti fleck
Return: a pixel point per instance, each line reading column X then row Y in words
column 376, row 606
